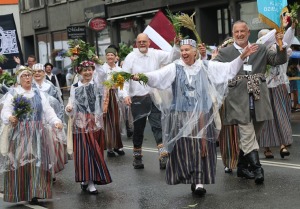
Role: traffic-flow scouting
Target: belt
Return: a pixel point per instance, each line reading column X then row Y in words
column 253, row 83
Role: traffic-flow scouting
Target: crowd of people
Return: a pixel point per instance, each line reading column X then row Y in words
column 191, row 103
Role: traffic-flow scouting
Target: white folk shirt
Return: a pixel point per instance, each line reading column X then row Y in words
column 137, row 62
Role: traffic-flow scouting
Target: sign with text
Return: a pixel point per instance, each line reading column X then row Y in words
column 76, row 32
column 97, row 24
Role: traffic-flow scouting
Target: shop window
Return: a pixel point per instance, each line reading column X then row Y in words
column 60, row 45
column 44, row 47
column 128, row 31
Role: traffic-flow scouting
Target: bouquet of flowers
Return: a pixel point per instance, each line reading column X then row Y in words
column 2, row 58
column 118, row 79
column 80, row 51
column 292, row 16
column 22, row 106
column 6, row 78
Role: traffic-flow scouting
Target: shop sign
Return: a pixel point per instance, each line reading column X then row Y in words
column 97, row 24
column 126, row 25
column 76, row 32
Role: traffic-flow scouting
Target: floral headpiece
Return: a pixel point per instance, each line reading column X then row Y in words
column 227, row 42
column 23, row 68
column 190, row 42
column 87, row 63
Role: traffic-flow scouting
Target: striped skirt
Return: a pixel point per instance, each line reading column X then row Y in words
column 186, row 166
column 88, row 157
column 278, row 131
column 112, row 123
column 229, row 144
column 30, row 155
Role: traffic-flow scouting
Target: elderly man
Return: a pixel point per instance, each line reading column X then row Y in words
column 248, row 103
column 189, row 128
column 143, row 60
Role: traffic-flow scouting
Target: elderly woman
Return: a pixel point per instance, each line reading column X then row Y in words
column 53, row 96
column 111, row 108
column 189, row 128
column 30, row 153
column 88, row 139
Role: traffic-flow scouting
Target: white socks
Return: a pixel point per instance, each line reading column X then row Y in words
column 91, row 186
column 199, row 186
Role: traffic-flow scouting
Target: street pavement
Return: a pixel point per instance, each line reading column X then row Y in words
column 139, row 189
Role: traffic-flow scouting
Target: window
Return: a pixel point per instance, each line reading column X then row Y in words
column 31, row 4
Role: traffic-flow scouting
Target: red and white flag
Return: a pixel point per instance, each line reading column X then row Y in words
column 161, row 32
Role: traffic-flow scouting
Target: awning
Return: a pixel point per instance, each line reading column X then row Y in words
column 130, row 15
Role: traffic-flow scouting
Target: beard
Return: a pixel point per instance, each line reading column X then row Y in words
column 143, row 49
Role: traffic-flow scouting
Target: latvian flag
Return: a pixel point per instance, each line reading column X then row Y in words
column 161, row 32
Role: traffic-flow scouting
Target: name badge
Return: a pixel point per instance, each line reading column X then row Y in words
column 191, row 93
column 247, row 67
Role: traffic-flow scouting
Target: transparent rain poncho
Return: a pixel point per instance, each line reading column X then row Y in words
column 191, row 100
column 27, row 142
column 86, row 100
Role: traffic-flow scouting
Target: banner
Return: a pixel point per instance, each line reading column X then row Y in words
column 270, row 12
column 161, row 32
column 9, row 41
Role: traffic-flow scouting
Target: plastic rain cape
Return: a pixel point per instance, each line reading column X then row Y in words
column 28, row 142
column 86, row 101
column 190, row 104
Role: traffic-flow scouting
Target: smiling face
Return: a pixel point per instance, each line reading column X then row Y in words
column 39, row 75
column 110, row 59
column 143, row 43
column 87, row 74
column 188, row 54
column 241, row 34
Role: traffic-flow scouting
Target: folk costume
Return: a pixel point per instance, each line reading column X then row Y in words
column 30, row 153
column 190, row 126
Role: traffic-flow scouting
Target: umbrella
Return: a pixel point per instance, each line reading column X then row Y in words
column 295, row 55
column 270, row 12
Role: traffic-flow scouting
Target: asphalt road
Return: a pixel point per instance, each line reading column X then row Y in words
column 139, row 189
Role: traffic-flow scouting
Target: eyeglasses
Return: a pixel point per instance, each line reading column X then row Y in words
column 141, row 42
column 26, row 76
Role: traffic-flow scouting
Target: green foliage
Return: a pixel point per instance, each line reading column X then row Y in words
column 124, row 50
column 175, row 22
column 7, row 79
column 2, row 58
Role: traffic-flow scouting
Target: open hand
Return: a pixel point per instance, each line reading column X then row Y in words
column 248, row 50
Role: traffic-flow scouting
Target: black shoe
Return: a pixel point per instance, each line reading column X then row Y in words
column 120, row 152
column 84, row 187
column 199, row 191
column 227, row 170
column 93, row 192
column 163, row 162
column 53, row 180
column 284, row 152
column 138, row 163
column 259, row 176
column 34, row 201
column 245, row 173
column 111, row 154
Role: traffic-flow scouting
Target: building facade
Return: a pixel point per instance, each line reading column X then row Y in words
column 46, row 24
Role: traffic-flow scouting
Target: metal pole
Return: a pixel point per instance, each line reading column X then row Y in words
column 97, row 46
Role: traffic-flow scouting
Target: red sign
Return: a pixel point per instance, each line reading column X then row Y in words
column 97, row 24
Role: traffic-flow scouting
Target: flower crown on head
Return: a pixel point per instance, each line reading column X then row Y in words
column 227, row 42
column 87, row 63
column 23, row 68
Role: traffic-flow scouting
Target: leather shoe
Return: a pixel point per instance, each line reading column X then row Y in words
column 111, row 154
column 245, row 173
column 199, row 191
column 83, row 187
column 93, row 192
column 34, row 201
column 119, row 152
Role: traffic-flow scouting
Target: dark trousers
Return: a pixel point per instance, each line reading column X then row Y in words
column 143, row 107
